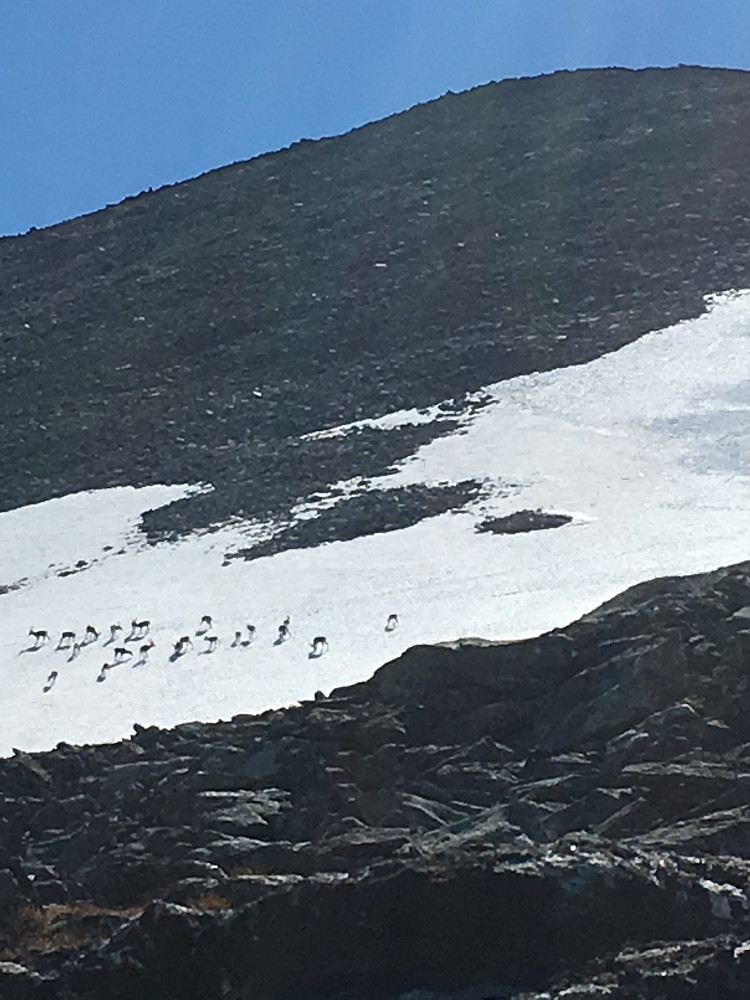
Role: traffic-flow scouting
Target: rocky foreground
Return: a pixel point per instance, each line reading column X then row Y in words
column 565, row 816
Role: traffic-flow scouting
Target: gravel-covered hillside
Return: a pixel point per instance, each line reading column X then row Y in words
column 194, row 332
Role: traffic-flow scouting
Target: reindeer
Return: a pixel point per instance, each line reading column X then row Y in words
column 284, row 633
column 206, row 623
column 212, row 641
column 319, row 645
column 66, row 639
column 392, row 623
column 77, row 647
column 40, row 636
column 106, row 667
column 139, row 629
column 91, row 634
column 113, row 630
column 121, row 652
column 237, row 639
column 182, row 644
column 145, row 649
column 250, row 633
column 50, row 681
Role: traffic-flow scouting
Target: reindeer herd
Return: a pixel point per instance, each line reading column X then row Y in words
column 139, row 630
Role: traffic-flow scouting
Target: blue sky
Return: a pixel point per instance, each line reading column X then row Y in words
column 101, row 100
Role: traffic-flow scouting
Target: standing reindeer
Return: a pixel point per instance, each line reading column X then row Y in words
column 392, row 623
column 40, row 636
column 319, row 645
column 66, row 639
column 91, row 634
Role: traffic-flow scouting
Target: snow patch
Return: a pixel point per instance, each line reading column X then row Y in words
column 644, row 446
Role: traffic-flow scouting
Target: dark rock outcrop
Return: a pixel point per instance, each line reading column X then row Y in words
column 523, row 520
column 563, row 816
column 366, row 512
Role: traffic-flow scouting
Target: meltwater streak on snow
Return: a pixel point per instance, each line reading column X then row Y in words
column 646, row 447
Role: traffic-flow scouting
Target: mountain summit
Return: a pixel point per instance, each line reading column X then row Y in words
column 194, row 333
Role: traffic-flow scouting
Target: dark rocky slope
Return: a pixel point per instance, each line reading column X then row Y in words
column 565, row 816
column 520, row 226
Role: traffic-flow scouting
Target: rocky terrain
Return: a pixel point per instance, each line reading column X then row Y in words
column 566, row 816
column 523, row 520
column 194, row 333
column 563, row 816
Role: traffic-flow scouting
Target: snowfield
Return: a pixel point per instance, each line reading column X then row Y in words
column 648, row 449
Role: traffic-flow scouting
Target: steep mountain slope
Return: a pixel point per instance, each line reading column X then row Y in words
column 193, row 333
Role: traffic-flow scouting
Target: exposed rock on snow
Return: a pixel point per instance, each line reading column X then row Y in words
column 366, row 512
column 523, row 520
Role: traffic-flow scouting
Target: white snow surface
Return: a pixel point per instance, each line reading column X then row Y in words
column 648, row 448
